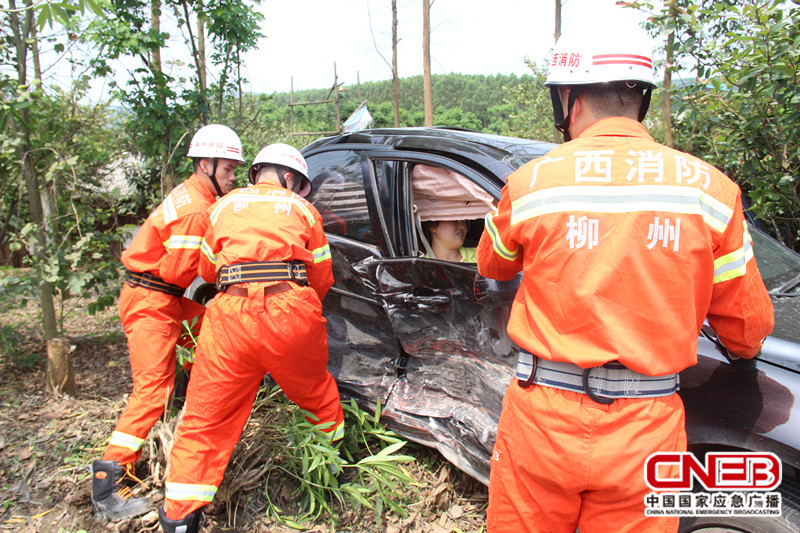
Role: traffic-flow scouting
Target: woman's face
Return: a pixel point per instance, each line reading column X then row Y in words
column 450, row 232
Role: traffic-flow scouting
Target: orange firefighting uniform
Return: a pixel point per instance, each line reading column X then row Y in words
column 244, row 337
column 167, row 246
column 626, row 246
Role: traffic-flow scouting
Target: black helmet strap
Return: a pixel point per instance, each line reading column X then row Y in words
column 281, row 170
column 561, row 121
column 213, row 176
column 645, row 103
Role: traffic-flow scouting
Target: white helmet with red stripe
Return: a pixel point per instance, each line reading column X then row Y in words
column 585, row 59
column 287, row 156
column 600, row 54
column 216, row 141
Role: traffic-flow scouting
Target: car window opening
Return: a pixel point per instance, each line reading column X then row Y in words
column 448, row 213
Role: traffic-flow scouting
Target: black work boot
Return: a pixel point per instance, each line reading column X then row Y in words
column 188, row 524
column 111, row 499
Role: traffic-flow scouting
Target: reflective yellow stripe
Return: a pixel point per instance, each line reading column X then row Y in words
column 170, row 213
column 190, row 242
column 337, row 433
column 623, row 199
column 499, row 247
column 321, row 254
column 252, row 198
column 734, row 264
column 188, row 491
column 123, row 440
column 205, row 249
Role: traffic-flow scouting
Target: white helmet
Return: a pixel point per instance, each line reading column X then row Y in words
column 216, row 141
column 600, row 54
column 286, row 156
column 583, row 59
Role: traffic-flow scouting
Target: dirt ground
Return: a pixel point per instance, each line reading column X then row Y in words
column 47, row 441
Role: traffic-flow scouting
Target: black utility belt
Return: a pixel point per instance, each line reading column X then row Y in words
column 603, row 384
column 154, row 283
column 262, row 271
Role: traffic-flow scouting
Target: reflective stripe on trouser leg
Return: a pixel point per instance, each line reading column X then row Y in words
column 152, row 326
column 224, row 383
column 187, row 491
column 123, row 440
column 589, row 461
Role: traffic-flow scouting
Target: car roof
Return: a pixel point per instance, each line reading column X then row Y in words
column 497, row 153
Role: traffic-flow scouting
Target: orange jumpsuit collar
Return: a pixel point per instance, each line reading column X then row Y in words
column 616, row 127
column 196, row 182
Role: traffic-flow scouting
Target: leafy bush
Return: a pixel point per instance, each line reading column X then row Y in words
column 364, row 469
column 739, row 108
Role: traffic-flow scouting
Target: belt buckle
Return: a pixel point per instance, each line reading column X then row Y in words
column 528, row 382
column 590, row 393
column 295, row 272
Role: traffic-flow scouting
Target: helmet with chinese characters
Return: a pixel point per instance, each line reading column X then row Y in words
column 216, row 141
column 601, row 54
column 286, row 156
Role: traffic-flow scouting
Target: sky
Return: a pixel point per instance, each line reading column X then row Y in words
column 304, row 38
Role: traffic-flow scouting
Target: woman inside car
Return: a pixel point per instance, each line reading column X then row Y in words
column 446, row 238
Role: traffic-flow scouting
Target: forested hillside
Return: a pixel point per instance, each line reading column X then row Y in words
column 486, row 103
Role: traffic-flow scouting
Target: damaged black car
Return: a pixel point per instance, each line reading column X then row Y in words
column 427, row 338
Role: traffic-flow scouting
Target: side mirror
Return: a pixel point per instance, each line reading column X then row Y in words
column 492, row 292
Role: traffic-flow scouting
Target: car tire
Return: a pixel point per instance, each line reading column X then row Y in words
column 788, row 522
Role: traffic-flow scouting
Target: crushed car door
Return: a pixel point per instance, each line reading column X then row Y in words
column 363, row 351
column 457, row 357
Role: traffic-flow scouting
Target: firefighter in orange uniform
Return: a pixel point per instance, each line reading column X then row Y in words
column 626, row 246
column 268, row 253
column 161, row 261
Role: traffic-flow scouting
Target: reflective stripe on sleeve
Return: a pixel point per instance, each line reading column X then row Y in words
column 188, row 491
column 623, row 199
column 499, row 247
column 170, row 212
column 322, row 254
column 123, row 440
column 205, row 249
column 734, row 264
column 189, row 242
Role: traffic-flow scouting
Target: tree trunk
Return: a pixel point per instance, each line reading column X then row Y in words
column 197, row 61
column 37, row 66
column 155, row 24
column 21, row 38
column 426, row 62
column 37, row 218
column 557, row 135
column 201, row 50
column 557, row 33
column 168, row 175
column 666, row 103
column 395, row 76
column 60, row 370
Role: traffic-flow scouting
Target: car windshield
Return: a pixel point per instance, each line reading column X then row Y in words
column 522, row 153
column 779, row 266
